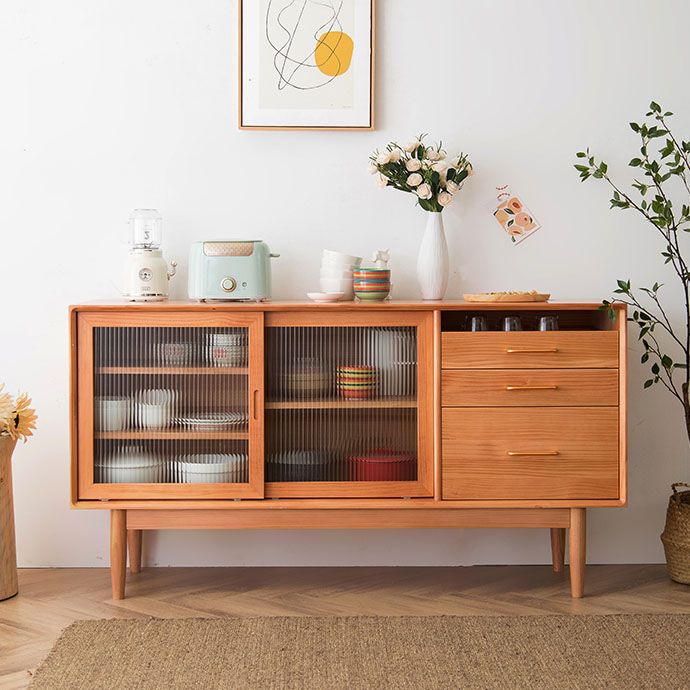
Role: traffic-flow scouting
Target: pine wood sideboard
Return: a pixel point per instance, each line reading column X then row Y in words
column 289, row 415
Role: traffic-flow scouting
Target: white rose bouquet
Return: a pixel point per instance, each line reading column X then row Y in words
column 421, row 170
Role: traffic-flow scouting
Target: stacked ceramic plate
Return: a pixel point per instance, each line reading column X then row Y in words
column 356, row 382
column 372, row 284
column 227, row 349
column 212, row 421
column 209, row 468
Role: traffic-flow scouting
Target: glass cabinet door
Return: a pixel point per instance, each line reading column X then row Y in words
column 348, row 405
column 170, row 406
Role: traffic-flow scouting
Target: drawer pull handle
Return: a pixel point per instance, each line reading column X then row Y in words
column 552, row 387
column 517, row 454
column 541, row 350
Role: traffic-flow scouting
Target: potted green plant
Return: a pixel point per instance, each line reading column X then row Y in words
column 661, row 196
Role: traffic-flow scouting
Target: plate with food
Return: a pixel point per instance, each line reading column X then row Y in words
column 509, row 297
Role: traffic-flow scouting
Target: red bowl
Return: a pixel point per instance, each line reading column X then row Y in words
column 382, row 466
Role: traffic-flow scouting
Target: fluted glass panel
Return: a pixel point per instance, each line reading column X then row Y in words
column 341, row 404
column 171, row 405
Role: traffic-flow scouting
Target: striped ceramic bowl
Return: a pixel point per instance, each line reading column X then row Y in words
column 356, row 382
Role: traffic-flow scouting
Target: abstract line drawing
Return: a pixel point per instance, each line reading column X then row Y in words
column 309, row 44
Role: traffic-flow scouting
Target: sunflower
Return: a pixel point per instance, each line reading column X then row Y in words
column 6, row 409
column 24, row 419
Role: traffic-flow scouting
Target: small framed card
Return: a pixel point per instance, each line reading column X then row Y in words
column 514, row 217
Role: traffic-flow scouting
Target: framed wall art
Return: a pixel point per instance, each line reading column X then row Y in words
column 306, row 64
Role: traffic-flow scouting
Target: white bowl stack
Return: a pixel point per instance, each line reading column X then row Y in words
column 336, row 273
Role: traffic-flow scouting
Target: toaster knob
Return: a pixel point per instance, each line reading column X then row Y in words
column 228, row 284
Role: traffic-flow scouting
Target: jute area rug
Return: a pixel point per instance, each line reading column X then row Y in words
column 622, row 651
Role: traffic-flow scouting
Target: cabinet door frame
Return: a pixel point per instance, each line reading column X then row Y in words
column 423, row 486
column 83, row 464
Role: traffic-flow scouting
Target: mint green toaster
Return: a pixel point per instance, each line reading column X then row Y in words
column 230, row 270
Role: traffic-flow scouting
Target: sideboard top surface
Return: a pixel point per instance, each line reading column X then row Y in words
column 281, row 305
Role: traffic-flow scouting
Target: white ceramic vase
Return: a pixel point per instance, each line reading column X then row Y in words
column 432, row 264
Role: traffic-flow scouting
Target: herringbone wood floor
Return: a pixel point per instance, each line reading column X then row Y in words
column 49, row 600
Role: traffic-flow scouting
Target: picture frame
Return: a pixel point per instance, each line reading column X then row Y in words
column 306, row 65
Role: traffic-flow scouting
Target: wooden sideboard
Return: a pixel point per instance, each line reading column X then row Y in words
column 288, row 415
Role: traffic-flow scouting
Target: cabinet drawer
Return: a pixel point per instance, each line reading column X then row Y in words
column 529, row 387
column 530, row 453
column 530, row 350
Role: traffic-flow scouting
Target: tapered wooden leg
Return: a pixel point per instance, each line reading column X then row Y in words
column 134, row 549
column 558, row 549
column 578, row 551
column 118, row 552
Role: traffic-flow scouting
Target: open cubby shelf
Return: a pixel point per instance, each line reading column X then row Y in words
column 568, row 319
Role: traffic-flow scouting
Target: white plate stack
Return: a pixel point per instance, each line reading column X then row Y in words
column 210, row 468
column 336, row 273
column 212, row 421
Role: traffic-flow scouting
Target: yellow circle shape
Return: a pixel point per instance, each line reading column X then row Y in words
column 333, row 53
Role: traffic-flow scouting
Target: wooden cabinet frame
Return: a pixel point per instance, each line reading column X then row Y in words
column 360, row 505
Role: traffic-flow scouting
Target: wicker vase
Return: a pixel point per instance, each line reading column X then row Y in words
column 8, row 549
column 676, row 535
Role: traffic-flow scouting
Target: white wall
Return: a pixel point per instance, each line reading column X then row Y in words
column 106, row 106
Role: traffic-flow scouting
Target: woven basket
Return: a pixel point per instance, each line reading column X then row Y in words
column 676, row 535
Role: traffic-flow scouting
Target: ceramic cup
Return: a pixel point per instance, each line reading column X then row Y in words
column 111, row 413
column 154, row 408
column 339, row 259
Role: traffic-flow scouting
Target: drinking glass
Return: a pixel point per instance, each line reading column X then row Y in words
column 478, row 323
column 548, row 323
column 512, row 323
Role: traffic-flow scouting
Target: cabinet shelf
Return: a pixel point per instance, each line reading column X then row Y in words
column 180, row 371
column 340, row 404
column 163, row 435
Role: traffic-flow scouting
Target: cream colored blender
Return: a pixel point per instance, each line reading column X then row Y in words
column 146, row 274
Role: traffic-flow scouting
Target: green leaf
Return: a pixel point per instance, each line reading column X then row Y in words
column 654, row 106
column 667, row 362
column 635, row 127
column 648, row 383
column 635, row 163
